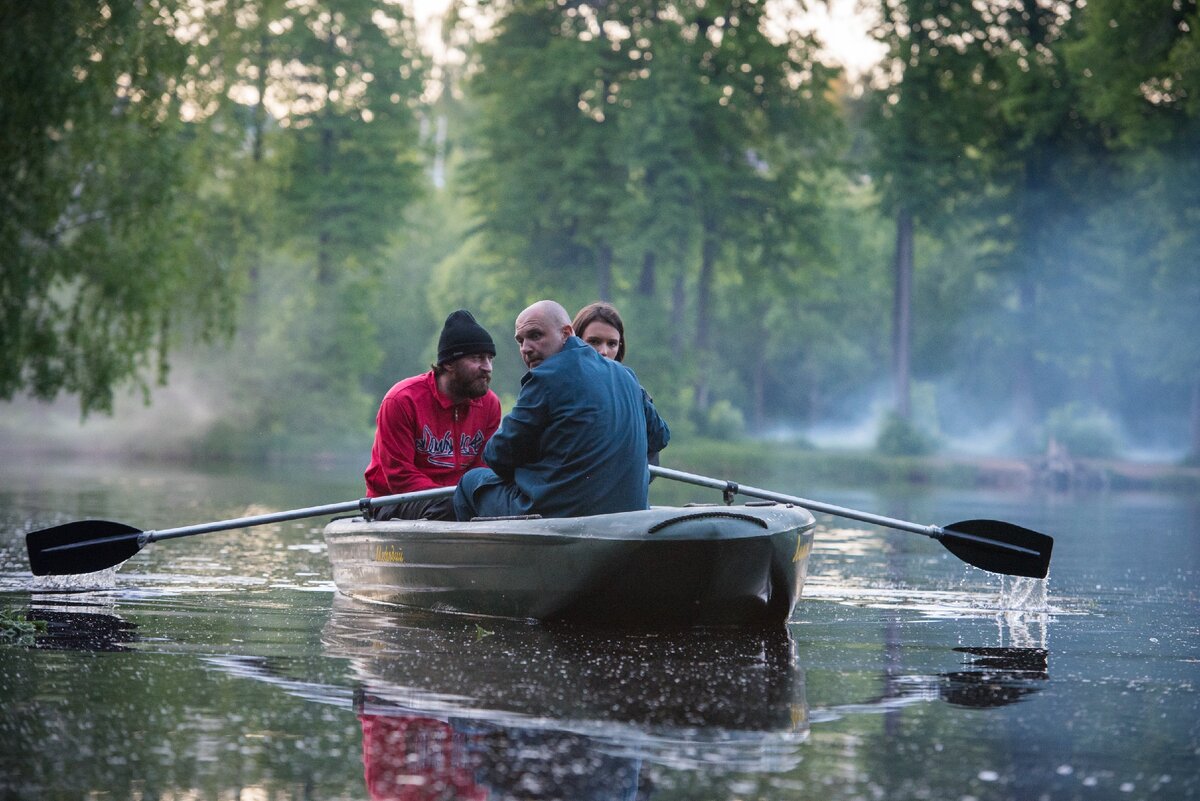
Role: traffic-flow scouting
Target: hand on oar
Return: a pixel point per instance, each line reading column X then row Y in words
column 991, row 545
column 85, row 546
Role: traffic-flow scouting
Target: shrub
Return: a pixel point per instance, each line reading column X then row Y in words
column 899, row 437
column 1083, row 430
column 725, row 421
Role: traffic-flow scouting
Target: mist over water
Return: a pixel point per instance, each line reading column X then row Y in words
column 174, row 417
column 170, row 420
column 960, row 426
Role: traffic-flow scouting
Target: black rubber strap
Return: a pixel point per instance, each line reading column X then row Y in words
column 700, row 515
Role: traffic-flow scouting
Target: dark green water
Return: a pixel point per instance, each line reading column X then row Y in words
column 223, row 666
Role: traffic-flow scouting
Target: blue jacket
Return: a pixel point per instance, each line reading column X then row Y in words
column 577, row 440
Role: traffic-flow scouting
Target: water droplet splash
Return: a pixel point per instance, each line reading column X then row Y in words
column 81, row 582
column 1020, row 594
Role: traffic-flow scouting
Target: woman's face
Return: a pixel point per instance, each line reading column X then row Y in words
column 604, row 338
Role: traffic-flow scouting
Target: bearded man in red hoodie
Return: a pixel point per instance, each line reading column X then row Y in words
column 431, row 428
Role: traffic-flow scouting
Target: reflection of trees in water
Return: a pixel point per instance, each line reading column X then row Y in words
column 447, row 706
column 510, row 756
column 94, row 705
column 527, row 709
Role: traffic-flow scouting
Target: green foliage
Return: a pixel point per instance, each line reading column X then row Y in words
column 16, row 630
column 900, row 437
column 1005, row 135
column 263, row 163
column 352, row 168
column 820, row 332
column 724, row 421
column 927, row 125
column 1142, row 64
column 1083, row 430
column 1046, row 167
column 332, row 288
column 101, row 264
column 650, row 155
column 411, row 301
column 1141, row 60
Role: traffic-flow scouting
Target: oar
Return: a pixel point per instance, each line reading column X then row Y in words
column 992, row 545
column 86, row 546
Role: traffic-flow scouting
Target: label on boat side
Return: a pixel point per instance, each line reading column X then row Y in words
column 388, row 553
column 803, row 546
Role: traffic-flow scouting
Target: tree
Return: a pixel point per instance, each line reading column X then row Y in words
column 1138, row 64
column 102, row 262
column 544, row 174
column 1046, row 162
column 650, row 141
column 328, row 179
column 349, row 72
column 926, row 120
column 1024, row 171
column 761, row 130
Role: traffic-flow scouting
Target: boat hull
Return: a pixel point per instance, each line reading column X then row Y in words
column 732, row 565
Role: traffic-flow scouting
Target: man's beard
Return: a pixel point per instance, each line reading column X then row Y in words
column 475, row 386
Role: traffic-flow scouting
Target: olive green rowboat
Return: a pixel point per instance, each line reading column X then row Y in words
column 666, row 566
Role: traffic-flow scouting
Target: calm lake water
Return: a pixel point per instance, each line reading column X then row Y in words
column 224, row 665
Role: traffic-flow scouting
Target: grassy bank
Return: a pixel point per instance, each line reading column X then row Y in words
column 45, row 435
column 730, row 460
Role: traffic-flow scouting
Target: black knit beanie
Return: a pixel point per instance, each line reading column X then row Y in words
column 462, row 336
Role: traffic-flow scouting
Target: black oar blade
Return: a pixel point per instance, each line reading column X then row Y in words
column 83, row 546
column 1000, row 547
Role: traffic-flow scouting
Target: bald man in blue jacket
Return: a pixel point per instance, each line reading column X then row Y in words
column 577, row 440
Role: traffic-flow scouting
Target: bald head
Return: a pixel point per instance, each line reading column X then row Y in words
column 542, row 330
column 548, row 311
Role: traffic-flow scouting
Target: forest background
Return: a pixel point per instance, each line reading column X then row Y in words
column 253, row 216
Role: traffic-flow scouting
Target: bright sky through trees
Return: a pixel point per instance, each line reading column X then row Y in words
column 839, row 23
column 843, row 29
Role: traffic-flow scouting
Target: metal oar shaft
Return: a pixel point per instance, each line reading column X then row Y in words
column 936, row 532
column 293, row 514
column 1025, row 552
column 85, row 546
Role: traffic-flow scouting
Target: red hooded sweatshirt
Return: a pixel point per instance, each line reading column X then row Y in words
column 422, row 441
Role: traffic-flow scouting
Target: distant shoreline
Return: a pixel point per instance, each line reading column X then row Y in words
column 866, row 468
column 743, row 460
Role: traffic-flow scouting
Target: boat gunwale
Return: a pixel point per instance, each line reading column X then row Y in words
column 661, row 523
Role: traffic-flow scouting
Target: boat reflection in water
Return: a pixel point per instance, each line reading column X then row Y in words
column 468, row 708
column 458, row 709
